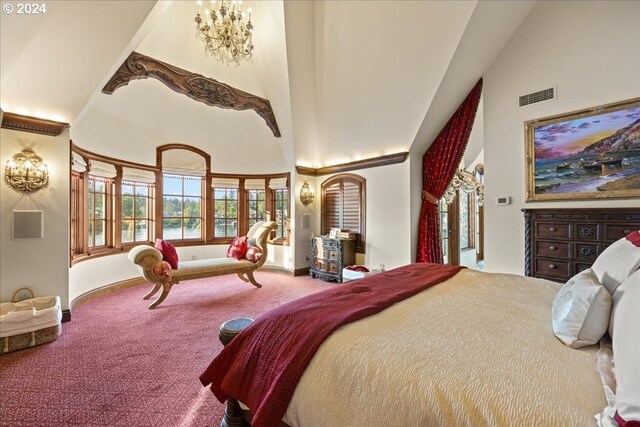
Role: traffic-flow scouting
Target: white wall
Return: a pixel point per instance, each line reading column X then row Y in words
column 490, row 27
column 42, row 265
column 301, row 245
column 387, row 214
column 591, row 51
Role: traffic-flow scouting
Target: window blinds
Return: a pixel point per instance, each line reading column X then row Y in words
column 332, row 207
column 101, row 169
column 278, row 183
column 254, row 184
column 138, row 175
column 78, row 163
column 351, row 207
column 342, row 206
column 183, row 162
column 225, row 183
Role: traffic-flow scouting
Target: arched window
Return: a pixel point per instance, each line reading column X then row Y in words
column 184, row 180
column 343, row 206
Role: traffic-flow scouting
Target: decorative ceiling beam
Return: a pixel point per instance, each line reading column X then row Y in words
column 195, row 86
column 389, row 159
column 32, row 124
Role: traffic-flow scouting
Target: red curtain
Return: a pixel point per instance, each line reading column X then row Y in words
column 439, row 164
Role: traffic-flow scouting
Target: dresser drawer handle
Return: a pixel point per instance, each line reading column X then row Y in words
column 552, row 229
column 553, row 266
column 553, row 248
column 627, row 231
column 586, row 251
column 586, row 232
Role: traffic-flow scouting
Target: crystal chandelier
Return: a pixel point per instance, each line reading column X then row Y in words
column 224, row 32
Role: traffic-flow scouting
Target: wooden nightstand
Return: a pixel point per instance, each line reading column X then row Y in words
column 330, row 256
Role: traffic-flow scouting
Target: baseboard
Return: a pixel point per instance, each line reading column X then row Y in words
column 66, row 315
column 106, row 289
column 304, row 271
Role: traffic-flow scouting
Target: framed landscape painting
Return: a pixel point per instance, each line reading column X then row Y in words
column 587, row 154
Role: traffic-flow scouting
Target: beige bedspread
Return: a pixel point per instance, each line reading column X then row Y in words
column 476, row 350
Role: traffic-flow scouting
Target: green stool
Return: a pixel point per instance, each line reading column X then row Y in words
column 233, row 413
column 233, row 327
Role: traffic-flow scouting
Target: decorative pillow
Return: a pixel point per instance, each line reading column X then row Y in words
column 618, row 261
column 253, row 254
column 169, row 253
column 615, row 299
column 162, row 269
column 238, row 248
column 626, row 351
column 580, row 310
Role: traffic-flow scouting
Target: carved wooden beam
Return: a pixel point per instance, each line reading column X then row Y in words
column 372, row 162
column 195, row 86
column 32, row 124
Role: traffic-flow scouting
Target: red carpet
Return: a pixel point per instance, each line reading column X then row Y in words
column 118, row 363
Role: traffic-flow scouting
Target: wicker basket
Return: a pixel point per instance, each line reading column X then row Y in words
column 27, row 321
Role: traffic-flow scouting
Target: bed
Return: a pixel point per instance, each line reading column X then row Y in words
column 476, row 349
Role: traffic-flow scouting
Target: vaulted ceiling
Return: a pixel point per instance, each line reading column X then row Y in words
column 346, row 79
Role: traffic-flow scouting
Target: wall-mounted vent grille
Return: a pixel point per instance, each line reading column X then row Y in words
column 539, row 96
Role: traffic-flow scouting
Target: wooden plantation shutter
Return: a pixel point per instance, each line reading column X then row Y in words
column 332, row 207
column 350, row 207
column 343, row 206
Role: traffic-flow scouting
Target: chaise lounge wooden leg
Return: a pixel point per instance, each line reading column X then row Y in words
column 241, row 276
column 166, row 287
column 152, row 292
column 252, row 280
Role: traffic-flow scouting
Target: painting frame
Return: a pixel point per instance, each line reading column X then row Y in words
column 583, row 174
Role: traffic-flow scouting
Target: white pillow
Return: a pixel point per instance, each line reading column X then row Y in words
column 580, row 310
column 626, row 349
column 618, row 261
column 615, row 298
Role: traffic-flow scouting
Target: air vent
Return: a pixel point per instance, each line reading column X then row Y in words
column 539, row 96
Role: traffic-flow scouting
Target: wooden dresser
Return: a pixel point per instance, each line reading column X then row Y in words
column 330, row 256
column 560, row 243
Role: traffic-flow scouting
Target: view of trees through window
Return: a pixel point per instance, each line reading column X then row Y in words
column 137, row 211
column 181, row 207
column 444, row 229
column 282, row 206
column 97, row 210
column 225, row 203
column 116, row 204
column 467, row 218
column 257, row 206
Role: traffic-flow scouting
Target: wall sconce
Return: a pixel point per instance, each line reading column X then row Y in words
column 306, row 195
column 26, row 172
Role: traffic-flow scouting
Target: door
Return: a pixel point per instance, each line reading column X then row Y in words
column 461, row 223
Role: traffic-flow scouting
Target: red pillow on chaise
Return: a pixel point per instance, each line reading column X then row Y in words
column 238, row 248
column 253, row 254
column 169, row 253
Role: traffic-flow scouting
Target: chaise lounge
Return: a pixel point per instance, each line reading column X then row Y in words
column 146, row 257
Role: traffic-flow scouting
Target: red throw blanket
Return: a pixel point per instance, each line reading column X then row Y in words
column 262, row 365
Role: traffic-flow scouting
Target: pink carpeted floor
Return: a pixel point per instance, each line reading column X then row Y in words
column 118, row 363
